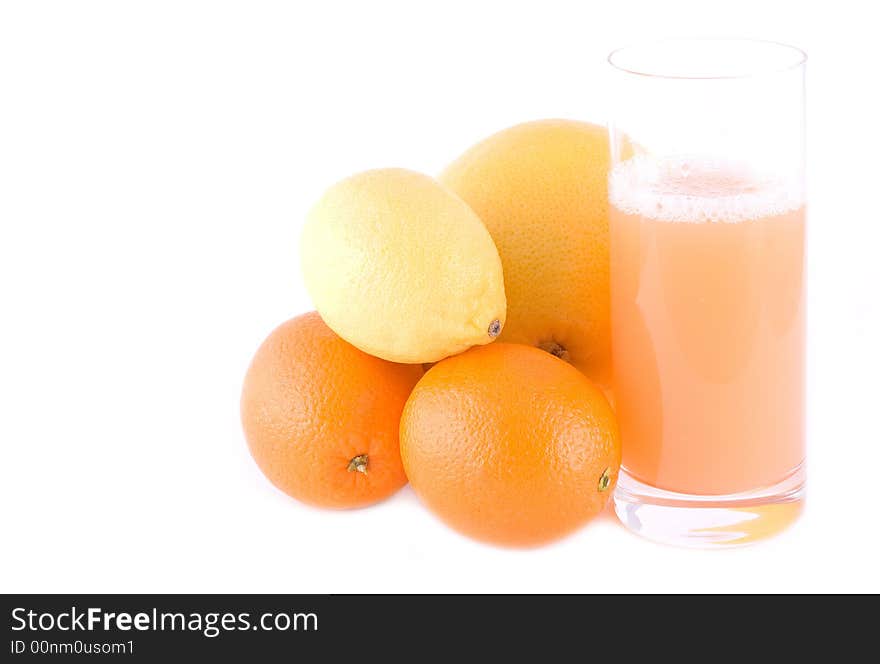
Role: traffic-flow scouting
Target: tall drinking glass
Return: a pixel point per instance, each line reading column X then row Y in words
column 707, row 287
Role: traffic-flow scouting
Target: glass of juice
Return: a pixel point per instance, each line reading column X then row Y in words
column 707, row 224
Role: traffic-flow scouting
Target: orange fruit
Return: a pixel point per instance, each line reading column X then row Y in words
column 510, row 445
column 541, row 189
column 321, row 417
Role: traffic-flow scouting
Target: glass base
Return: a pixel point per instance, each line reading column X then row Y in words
column 708, row 521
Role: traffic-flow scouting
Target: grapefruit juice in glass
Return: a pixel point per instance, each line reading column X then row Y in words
column 707, row 223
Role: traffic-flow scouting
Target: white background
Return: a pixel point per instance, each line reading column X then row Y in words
column 156, row 162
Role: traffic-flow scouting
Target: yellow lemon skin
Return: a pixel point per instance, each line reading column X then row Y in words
column 541, row 188
column 402, row 268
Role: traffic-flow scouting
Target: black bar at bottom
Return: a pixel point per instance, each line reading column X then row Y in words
column 264, row 628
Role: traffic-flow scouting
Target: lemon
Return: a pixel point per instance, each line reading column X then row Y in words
column 402, row 268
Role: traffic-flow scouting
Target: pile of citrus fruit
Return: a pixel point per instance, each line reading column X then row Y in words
column 461, row 342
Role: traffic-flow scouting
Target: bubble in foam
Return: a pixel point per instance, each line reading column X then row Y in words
column 699, row 189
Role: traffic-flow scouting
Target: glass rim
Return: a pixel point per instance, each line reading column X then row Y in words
column 796, row 58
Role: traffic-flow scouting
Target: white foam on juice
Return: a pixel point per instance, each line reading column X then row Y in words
column 696, row 189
